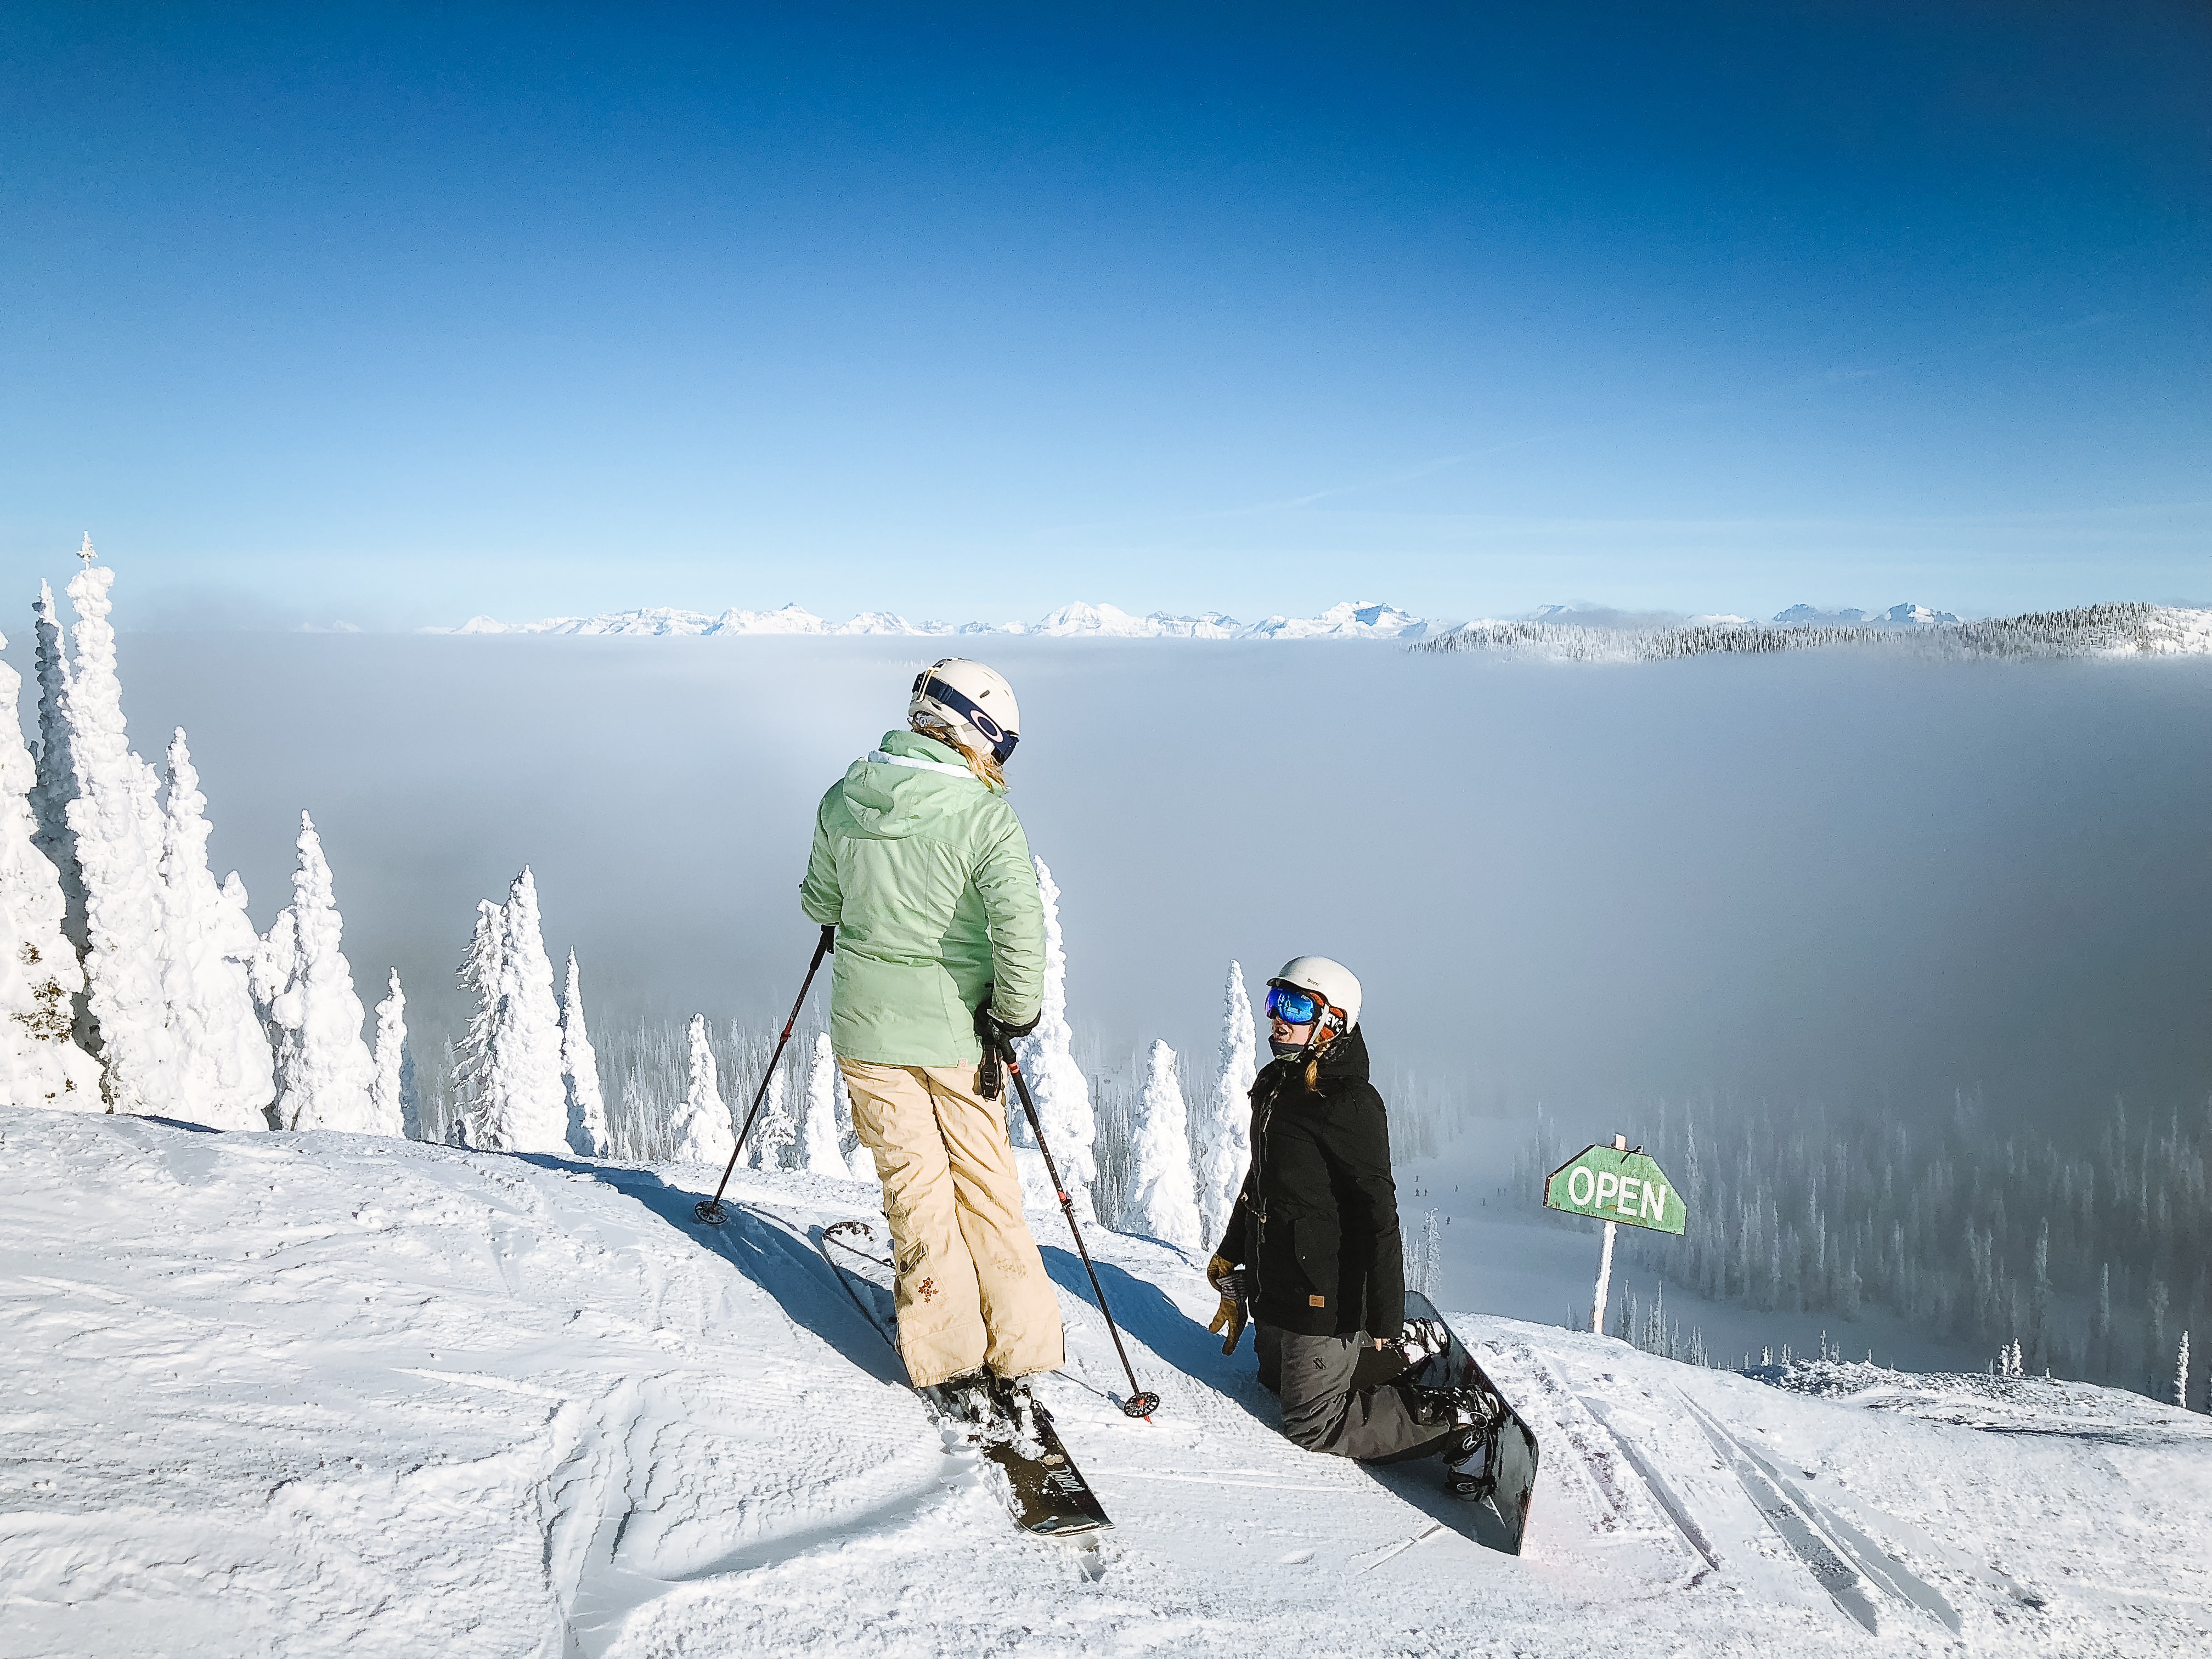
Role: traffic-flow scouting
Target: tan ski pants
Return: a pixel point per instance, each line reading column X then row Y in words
column 971, row 1288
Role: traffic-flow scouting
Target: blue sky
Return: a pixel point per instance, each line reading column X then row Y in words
column 396, row 314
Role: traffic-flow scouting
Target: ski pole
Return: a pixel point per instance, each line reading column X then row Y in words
column 708, row 1211
column 1140, row 1403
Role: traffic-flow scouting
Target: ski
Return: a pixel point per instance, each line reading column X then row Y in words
column 1046, row 1492
column 1513, row 1459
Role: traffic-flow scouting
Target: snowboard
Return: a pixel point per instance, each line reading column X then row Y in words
column 1045, row 1492
column 1513, row 1460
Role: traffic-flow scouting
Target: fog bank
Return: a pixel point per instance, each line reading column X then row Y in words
column 1790, row 877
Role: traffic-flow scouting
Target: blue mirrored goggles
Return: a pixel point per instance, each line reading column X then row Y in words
column 1292, row 1006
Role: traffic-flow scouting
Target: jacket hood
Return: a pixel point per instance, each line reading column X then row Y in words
column 904, row 784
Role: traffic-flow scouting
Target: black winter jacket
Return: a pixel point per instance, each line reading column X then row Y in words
column 1317, row 1219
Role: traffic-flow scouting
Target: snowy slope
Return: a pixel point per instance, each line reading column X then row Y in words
column 309, row 1393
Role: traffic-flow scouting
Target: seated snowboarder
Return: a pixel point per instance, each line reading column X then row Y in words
column 1312, row 1249
column 922, row 868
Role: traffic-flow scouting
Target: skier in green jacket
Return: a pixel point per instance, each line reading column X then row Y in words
column 922, row 868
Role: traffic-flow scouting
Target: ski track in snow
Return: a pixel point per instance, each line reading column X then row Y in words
column 316, row 1394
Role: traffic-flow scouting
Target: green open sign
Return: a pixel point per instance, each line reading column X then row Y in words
column 1607, row 1184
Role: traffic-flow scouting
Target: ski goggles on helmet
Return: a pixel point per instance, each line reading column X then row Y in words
column 1293, row 1005
column 1002, row 742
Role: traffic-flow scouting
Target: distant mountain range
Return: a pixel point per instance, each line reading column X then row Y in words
column 2088, row 630
column 1342, row 622
column 1349, row 621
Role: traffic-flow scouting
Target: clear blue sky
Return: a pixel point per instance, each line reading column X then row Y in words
column 396, row 314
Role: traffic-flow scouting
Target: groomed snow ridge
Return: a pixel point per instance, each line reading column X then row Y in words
column 308, row 1394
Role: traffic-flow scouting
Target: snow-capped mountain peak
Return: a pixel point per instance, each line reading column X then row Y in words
column 1081, row 620
column 1907, row 615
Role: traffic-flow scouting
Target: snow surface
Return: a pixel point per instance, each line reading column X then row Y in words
column 309, row 1394
column 1349, row 621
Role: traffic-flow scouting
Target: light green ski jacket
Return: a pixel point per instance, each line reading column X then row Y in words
column 924, row 873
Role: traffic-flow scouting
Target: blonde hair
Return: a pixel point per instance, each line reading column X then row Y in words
column 985, row 765
column 1322, row 1040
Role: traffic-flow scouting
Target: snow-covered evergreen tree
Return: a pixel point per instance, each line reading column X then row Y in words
column 1161, row 1200
column 1224, row 1140
column 860, row 1161
column 508, row 1079
column 2181, row 1374
column 56, row 782
column 1424, row 1260
column 701, row 1129
column 40, row 1064
column 776, row 1130
column 1056, row 1083
column 478, row 1120
column 115, row 818
column 324, row 1069
column 220, row 1070
column 532, row 1037
column 580, row 1071
column 818, row 1149
column 388, row 1087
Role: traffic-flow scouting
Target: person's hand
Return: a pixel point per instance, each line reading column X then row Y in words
column 1234, row 1284
column 1228, row 1318
column 995, row 1030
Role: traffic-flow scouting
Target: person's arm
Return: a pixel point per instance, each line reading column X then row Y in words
column 819, row 894
column 1361, row 1150
column 1008, row 885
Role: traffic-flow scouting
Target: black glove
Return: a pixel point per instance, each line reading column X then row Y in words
column 993, row 1030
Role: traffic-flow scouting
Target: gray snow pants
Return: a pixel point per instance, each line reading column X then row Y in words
column 1312, row 1377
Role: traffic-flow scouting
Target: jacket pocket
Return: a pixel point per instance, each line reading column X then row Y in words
column 1301, row 1264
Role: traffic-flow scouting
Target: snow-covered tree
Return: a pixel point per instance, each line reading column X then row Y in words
column 859, row 1160
column 324, row 1069
column 533, row 1031
column 701, row 1128
column 40, row 1064
column 1056, row 1083
column 818, row 1149
column 1162, row 1201
column 390, row 1087
column 115, row 818
column 56, row 784
column 221, row 1070
column 482, row 975
column 508, row 1079
column 775, row 1131
column 580, row 1071
column 1424, row 1260
column 1223, row 1138
column 2181, row 1373
column 116, row 821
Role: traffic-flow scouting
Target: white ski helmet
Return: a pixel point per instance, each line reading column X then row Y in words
column 972, row 700
column 1332, row 981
